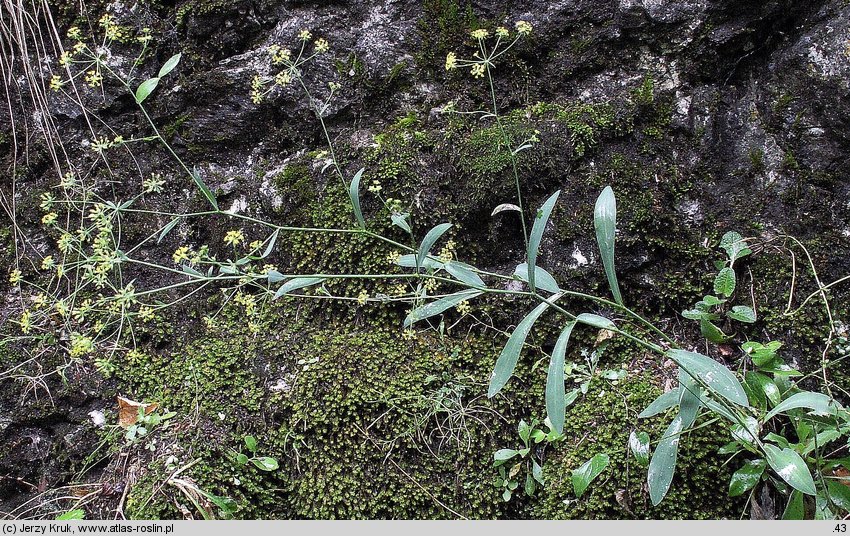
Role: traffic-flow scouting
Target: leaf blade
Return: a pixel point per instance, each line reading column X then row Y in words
column 556, row 405
column 537, row 235
column 605, row 223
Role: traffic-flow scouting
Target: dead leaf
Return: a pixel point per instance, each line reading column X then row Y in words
column 602, row 336
column 128, row 411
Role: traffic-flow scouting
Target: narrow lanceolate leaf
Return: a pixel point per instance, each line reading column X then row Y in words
column 506, row 363
column 661, row 404
column 595, row 321
column 543, row 279
column 818, row 403
column 556, row 404
column 791, row 468
column 196, row 176
column 537, row 234
column 169, row 65
column 354, row 195
column 428, row 242
column 742, row 313
column 639, row 445
column 584, row 475
column 689, row 399
column 296, row 283
column 465, row 273
column 409, row 261
column 438, row 306
column 719, row 379
column 400, row 220
column 274, row 276
column 270, row 245
column 168, row 228
column 746, row 477
column 605, row 222
column 724, row 282
column 145, row 89
column 663, row 462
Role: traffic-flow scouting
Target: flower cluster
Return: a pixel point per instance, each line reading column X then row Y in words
column 290, row 62
column 487, row 52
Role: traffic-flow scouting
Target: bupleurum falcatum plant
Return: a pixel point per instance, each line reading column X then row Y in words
column 85, row 300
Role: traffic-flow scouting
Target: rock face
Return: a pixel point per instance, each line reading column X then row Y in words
column 703, row 115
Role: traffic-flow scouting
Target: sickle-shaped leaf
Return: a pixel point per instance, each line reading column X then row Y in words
column 428, row 242
column 556, row 404
column 718, row 378
column 663, row 462
column 196, row 176
column 605, row 222
column 791, row 468
column 168, row 228
column 584, row 475
column 145, row 89
column 464, row 272
column 537, row 234
column 542, row 278
column 510, row 353
column 505, row 206
column 170, row 65
column 296, row 283
column 354, row 195
column 438, row 306
column 818, row 403
column 270, row 245
column 661, row 404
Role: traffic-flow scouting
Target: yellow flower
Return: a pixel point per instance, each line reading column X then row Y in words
column 280, row 55
column 501, row 31
column 463, row 307
column 146, row 313
column 79, row 47
column 15, row 277
column 305, row 35
column 181, row 254
column 451, row 61
column 81, row 345
column 481, row 33
column 477, row 70
column 234, row 238
column 408, row 334
column 283, row 78
column 47, row 263
column 65, row 59
column 256, row 244
column 26, row 322
column 60, row 271
column 56, row 83
column 74, row 33
column 49, row 218
column 363, row 297
column 393, row 257
column 523, row 27
column 375, row 187
column 39, row 300
column 322, row 46
column 93, row 78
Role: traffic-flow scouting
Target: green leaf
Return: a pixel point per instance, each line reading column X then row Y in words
column 584, row 475
column 639, row 445
column 169, row 65
column 530, row 485
column 265, row 463
column 712, row 333
column 742, row 313
column 661, row 404
column 428, row 242
column 354, row 195
column 409, row 261
column 663, row 462
column 537, row 472
column 794, row 510
column 241, row 459
column 510, row 353
column 839, row 494
column 555, row 392
column 791, row 468
column 595, row 321
column 689, row 400
column 818, row 403
column 724, row 282
column 296, row 283
column 464, row 273
column 735, row 246
column 542, row 278
column 717, row 377
column 699, row 314
column 274, row 276
column 400, row 220
column 167, row 229
column 196, row 176
column 503, row 455
column 72, row 515
column 145, row 89
column 438, row 306
column 763, row 387
column 251, row 443
column 605, row 222
column 270, row 245
column 745, row 478
column 537, row 234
